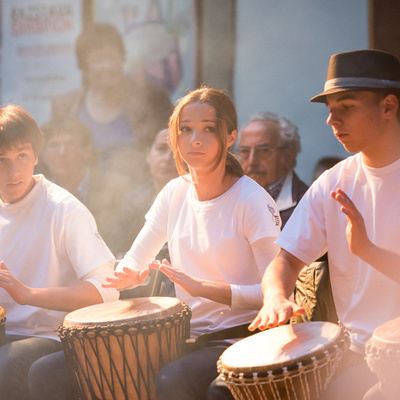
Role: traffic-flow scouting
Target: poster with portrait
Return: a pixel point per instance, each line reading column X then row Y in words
column 159, row 37
column 37, row 52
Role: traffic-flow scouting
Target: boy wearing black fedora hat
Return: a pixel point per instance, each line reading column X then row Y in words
column 351, row 211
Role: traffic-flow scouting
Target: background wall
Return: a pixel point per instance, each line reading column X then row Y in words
column 268, row 54
column 282, row 54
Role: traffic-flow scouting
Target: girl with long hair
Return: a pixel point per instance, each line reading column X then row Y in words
column 220, row 227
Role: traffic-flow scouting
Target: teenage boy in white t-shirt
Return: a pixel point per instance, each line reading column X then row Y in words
column 52, row 260
column 351, row 211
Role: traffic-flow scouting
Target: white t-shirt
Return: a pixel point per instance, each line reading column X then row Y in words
column 49, row 239
column 210, row 240
column 364, row 298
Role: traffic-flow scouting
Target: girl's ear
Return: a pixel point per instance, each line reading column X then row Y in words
column 231, row 138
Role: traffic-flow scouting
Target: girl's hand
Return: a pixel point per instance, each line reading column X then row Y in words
column 356, row 232
column 126, row 278
column 185, row 281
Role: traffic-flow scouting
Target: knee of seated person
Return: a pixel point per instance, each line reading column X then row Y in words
column 13, row 379
column 218, row 390
column 37, row 376
column 166, row 382
column 11, row 362
column 49, row 378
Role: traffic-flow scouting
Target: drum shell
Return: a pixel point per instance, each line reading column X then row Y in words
column 121, row 360
column 382, row 353
column 303, row 378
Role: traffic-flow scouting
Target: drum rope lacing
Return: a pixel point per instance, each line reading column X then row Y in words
column 385, row 363
column 302, row 381
column 103, row 377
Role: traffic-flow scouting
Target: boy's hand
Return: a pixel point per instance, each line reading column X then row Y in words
column 18, row 291
column 356, row 231
column 275, row 312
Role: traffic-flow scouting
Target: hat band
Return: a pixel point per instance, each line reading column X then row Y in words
column 360, row 82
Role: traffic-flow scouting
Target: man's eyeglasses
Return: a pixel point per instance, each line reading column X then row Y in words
column 260, row 152
column 62, row 146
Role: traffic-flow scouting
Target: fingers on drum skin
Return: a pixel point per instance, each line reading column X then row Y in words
column 264, row 324
column 298, row 311
column 282, row 318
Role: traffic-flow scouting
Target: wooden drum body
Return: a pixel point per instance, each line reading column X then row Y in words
column 288, row 362
column 116, row 349
column 382, row 353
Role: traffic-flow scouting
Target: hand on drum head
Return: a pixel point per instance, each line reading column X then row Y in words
column 184, row 280
column 126, row 278
column 275, row 312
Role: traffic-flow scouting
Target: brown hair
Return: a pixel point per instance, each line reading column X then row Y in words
column 226, row 119
column 71, row 127
column 18, row 126
column 97, row 36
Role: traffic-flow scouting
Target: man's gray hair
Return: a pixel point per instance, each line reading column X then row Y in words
column 289, row 132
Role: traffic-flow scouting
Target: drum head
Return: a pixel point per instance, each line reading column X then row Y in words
column 275, row 348
column 388, row 333
column 124, row 311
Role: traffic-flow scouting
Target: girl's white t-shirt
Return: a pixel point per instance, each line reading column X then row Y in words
column 210, row 240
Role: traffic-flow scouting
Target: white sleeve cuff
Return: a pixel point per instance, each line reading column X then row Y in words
column 246, row 297
column 97, row 276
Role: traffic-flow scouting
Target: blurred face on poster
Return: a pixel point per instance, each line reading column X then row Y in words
column 104, row 67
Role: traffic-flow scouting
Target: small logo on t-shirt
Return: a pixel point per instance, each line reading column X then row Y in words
column 275, row 217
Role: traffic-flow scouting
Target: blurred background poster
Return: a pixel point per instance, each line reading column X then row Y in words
column 37, row 52
column 160, row 39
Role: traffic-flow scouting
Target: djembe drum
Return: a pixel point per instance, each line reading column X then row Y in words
column 382, row 353
column 288, row 362
column 115, row 350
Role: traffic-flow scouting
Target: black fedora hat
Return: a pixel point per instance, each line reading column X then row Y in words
column 369, row 70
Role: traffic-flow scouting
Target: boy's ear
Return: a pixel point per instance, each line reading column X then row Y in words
column 391, row 105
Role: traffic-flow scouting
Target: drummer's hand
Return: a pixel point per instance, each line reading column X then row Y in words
column 126, row 278
column 356, row 232
column 185, row 281
column 17, row 290
column 275, row 312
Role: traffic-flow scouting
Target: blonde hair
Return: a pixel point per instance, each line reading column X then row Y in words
column 226, row 119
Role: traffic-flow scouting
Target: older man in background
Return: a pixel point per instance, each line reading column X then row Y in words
column 268, row 148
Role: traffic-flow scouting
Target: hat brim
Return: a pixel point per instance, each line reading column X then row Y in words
column 321, row 98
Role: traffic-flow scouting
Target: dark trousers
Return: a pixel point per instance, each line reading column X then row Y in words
column 16, row 358
column 50, row 379
column 192, row 376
